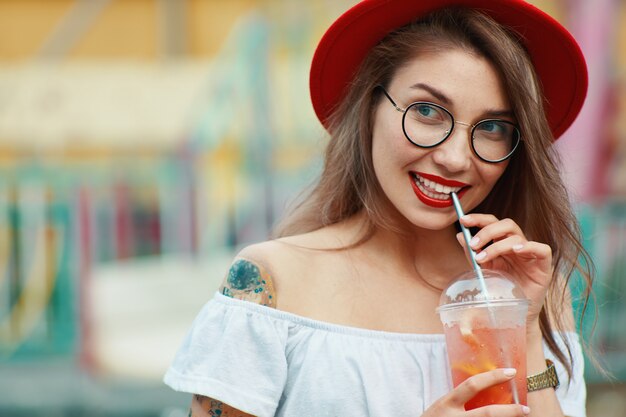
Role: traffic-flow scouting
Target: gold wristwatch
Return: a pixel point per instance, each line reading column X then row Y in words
column 545, row 379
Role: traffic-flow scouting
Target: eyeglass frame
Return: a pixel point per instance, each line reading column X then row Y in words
column 454, row 122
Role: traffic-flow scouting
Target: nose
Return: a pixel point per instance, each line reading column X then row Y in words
column 454, row 154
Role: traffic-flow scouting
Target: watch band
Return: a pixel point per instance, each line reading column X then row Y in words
column 545, row 379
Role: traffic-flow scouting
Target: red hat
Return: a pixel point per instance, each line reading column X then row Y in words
column 555, row 54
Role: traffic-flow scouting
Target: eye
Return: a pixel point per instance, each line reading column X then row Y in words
column 495, row 129
column 427, row 113
column 426, row 110
column 491, row 126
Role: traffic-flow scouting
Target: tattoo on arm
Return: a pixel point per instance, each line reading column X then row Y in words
column 215, row 409
column 250, row 282
column 205, row 406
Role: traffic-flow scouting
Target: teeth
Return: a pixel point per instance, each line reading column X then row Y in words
column 433, row 189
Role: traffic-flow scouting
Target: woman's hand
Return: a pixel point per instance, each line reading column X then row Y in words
column 530, row 262
column 452, row 404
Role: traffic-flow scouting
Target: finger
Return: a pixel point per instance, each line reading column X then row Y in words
column 502, row 247
column 461, row 239
column 495, row 231
column 478, row 219
column 512, row 410
column 524, row 250
column 484, row 220
column 530, row 252
column 467, row 389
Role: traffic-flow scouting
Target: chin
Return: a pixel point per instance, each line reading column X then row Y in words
column 429, row 221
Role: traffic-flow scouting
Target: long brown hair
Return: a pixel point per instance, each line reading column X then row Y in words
column 531, row 191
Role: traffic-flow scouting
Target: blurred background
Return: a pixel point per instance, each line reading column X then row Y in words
column 142, row 142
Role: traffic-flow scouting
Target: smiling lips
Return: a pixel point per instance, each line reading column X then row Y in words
column 435, row 191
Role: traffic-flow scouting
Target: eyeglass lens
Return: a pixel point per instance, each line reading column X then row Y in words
column 427, row 124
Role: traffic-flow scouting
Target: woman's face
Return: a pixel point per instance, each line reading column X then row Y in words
column 417, row 181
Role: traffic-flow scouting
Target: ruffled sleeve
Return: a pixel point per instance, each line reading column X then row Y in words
column 572, row 393
column 234, row 355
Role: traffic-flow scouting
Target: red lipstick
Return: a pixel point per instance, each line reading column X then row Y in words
column 442, row 181
column 433, row 202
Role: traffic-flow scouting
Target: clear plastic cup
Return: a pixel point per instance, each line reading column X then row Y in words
column 484, row 333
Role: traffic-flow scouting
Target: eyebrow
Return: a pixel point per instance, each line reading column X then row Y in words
column 434, row 92
column 447, row 101
column 500, row 113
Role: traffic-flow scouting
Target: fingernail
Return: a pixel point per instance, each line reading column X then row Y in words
column 525, row 410
column 518, row 248
column 481, row 256
column 510, row 372
column 474, row 241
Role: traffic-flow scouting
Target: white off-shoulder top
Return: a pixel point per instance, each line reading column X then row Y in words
column 267, row 362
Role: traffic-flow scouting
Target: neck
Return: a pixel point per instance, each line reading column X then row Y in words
column 433, row 256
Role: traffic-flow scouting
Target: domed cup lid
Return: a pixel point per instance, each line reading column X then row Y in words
column 466, row 291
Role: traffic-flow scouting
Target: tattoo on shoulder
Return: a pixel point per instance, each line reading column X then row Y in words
column 249, row 282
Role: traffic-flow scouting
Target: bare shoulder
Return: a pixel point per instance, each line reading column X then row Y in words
column 266, row 272
column 258, row 271
column 293, row 273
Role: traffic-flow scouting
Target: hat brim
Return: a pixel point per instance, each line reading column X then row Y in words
column 557, row 58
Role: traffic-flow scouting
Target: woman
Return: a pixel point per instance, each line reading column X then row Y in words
column 336, row 316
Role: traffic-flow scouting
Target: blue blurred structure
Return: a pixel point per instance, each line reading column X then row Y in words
column 605, row 230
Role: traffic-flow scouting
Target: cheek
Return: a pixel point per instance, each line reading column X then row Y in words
column 389, row 153
column 390, row 146
column 379, row 159
column 380, row 145
column 491, row 174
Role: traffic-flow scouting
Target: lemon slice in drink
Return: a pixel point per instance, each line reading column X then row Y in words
column 466, row 326
column 473, row 369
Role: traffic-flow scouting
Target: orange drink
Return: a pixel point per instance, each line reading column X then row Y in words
column 486, row 349
column 486, row 330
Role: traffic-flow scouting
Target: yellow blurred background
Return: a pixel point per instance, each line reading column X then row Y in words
column 142, row 142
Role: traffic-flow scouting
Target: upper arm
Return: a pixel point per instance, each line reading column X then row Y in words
column 249, row 280
column 203, row 406
column 246, row 280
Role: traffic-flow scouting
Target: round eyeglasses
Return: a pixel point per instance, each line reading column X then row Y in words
column 428, row 124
